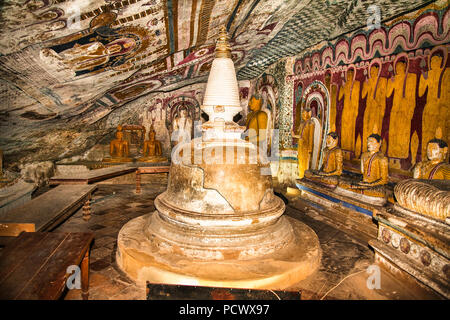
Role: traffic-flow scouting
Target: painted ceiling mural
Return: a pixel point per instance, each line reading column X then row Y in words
column 67, row 65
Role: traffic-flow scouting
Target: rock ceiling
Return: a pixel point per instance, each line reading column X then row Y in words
column 69, row 63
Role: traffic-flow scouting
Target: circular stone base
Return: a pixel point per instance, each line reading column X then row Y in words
column 142, row 261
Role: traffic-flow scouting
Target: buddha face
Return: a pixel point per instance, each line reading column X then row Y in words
column 331, row 142
column 254, row 104
column 183, row 113
column 434, row 152
column 306, row 115
column 435, row 63
column 350, row 75
column 119, row 135
column 373, row 145
column 374, row 72
column 151, row 135
column 400, row 68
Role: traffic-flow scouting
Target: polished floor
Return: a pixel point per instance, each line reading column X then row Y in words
column 342, row 275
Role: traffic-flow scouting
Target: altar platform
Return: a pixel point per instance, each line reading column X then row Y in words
column 414, row 247
column 327, row 196
column 92, row 172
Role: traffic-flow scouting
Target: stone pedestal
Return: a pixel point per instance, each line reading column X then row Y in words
column 146, row 257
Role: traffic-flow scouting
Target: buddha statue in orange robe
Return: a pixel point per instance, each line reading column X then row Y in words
column 119, row 148
column 305, row 138
column 436, row 167
column 331, row 168
column 152, row 149
column 256, row 124
column 374, row 168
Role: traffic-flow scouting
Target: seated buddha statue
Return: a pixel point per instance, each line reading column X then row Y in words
column 436, row 167
column 374, row 168
column 331, row 169
column 152, row 149
column 119, row 148
column 256, row 124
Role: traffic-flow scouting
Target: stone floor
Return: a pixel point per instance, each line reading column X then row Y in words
column 342, row 274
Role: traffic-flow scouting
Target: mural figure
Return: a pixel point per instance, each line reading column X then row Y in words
column 435, row 113
column 332, row 89
column 375, row 91
column 350, row 93
column 86, row 57
column 403, row 87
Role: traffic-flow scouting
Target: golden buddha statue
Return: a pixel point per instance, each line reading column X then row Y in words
column 152, row 149
column 305, row 138
column 374, row 168
column 435, row 167
column 332, row 166
column 256, row 124
column 119, row 148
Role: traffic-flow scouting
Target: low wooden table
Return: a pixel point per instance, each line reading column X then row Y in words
column 34, row 265
column 151, row 169
column 47, row 211
column 93, row 175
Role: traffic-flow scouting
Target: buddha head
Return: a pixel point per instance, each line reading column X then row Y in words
column 119, row 133
column 350, row 74
column 435, row 63
column 332, row 140
column 151, row 134
column 374, row 142
column 183, row 113
column 374, row 71
column 327, row 79
column 306, row 114
column 437, row 149
column 400, row 67
column 255, row 102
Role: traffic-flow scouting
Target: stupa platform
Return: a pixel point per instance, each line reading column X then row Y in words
column 143, row 260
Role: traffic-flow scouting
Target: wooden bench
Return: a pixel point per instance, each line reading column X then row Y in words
column 47, row 211
column 150, row 169
column 34, row 265
column 92, row 176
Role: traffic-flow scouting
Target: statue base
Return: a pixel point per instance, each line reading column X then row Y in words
column 151, row 159
column 329, row 182
column 345, row 198
column 145, row 258
column 415, row 247
column 358, row 194
column 118, row 159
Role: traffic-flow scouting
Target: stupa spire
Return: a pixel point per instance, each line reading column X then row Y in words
column 221, row 100
column 223, row 49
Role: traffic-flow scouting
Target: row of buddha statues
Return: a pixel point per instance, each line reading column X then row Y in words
column 373, row 165
column 119, row 148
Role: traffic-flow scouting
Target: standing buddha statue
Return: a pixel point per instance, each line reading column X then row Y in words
column 305, row 138
column 256, row 124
